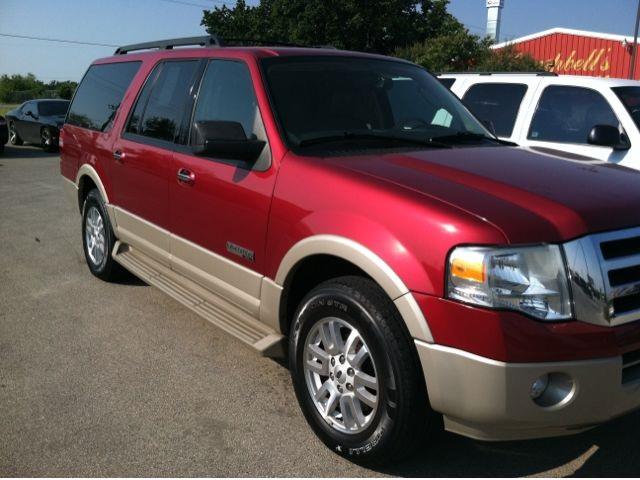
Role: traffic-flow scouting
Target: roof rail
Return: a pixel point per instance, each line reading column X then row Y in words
column 541, row 73
column 204, row 41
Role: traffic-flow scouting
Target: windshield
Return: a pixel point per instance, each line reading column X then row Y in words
column 630, row 97
column 352, row 99
column 52, row 109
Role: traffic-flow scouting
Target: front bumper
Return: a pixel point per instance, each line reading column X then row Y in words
column 490, row 400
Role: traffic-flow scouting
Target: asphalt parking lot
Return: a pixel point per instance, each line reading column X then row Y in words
column 102, row 379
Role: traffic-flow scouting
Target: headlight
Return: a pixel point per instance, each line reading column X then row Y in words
column 532, row 280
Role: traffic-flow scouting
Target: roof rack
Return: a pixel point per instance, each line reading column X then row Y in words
column 541, row 73
column 204, row 41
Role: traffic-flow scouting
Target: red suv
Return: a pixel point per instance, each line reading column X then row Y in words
column 422, row 270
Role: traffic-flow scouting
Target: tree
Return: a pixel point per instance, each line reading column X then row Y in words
column 508, row 59
column 10, row 84
column 380, row 27
column 460, row 51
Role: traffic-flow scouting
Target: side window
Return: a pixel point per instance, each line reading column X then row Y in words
column 497, row 103
column 447, row 82
column 226, row 94
column 164, row 100
column 29, row 107
column 567, row 114
column 99, row 95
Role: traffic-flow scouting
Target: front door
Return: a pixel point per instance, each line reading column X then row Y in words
column 563, row 118
column 219, row 207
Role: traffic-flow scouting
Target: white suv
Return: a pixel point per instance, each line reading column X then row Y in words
column 590, row 116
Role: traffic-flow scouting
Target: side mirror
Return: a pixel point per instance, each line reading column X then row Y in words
column 30, row 113
column 222, row 139
column 608, row 136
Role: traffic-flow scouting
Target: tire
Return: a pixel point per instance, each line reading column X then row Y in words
column 97, row 233
column 47, row 140
column 396, row 415
column 14, row 138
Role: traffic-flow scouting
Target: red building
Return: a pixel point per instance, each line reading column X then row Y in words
column 578, row 52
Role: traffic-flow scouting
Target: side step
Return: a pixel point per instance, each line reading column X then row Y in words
column 214, row 308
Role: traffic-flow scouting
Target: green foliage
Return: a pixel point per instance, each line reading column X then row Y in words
column 455, row 51
column 460, row 51
column 20, row 88
column 381, row 26
column 508, row 59
column 420, row 31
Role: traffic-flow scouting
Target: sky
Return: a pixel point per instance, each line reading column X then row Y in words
column 118, row 22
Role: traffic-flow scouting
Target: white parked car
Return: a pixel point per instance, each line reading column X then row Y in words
column 590, row 116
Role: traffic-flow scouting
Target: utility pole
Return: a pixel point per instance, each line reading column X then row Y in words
column 634, row 51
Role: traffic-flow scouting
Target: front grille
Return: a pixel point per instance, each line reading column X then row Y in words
column 631, row 367
column 621, row 264
column 605, row 276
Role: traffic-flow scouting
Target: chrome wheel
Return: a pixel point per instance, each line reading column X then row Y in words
column 46, row 138
column 13, row 136
column 94, row 234
column 341, row 375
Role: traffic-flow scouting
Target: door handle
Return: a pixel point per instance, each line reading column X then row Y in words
column 186, row 176
column 118, row 156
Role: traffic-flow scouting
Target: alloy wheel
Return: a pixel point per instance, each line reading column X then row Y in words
column 95, row 235
column 341, row 375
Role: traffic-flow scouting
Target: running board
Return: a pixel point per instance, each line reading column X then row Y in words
column 214, row 308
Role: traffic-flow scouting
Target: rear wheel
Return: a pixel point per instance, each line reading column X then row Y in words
column 47, row 141
column 356, row 373
column 14, row 138
column 98, row 238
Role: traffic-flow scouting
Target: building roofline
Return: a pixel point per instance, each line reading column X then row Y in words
column 568, row 31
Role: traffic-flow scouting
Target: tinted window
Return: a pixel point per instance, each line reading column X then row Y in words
column 100, row 93
column 56, row 108
column 497, row 103
column 164, row 101
column 447, row 82
column 346, row 97
column 567, row 114
column 630, row 97
column 226, row 93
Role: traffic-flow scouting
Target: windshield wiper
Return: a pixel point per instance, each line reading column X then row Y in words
column 371, row 136
column 461, row 137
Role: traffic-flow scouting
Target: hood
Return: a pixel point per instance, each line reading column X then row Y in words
column 529, row 196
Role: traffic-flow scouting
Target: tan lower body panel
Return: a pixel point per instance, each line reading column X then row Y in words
column 215, row 308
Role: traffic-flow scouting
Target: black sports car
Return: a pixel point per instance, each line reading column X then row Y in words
column 37, row 122
column 4, row 133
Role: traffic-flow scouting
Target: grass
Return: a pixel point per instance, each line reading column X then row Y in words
column 4, row 108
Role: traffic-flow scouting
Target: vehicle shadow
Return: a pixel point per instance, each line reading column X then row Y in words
column 607, row 451
column 26, row 151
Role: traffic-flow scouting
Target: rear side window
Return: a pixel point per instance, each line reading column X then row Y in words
column 567, row 114
column 497, row 103
column 99, row 95
column 447, row 82
column 164, row 101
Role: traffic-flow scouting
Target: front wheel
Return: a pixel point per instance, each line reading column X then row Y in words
column 14, row 138
column 356, row 373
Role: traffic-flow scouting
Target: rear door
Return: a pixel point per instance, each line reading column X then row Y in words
column 142, row 156
column 498, row 104
column 219, row 218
